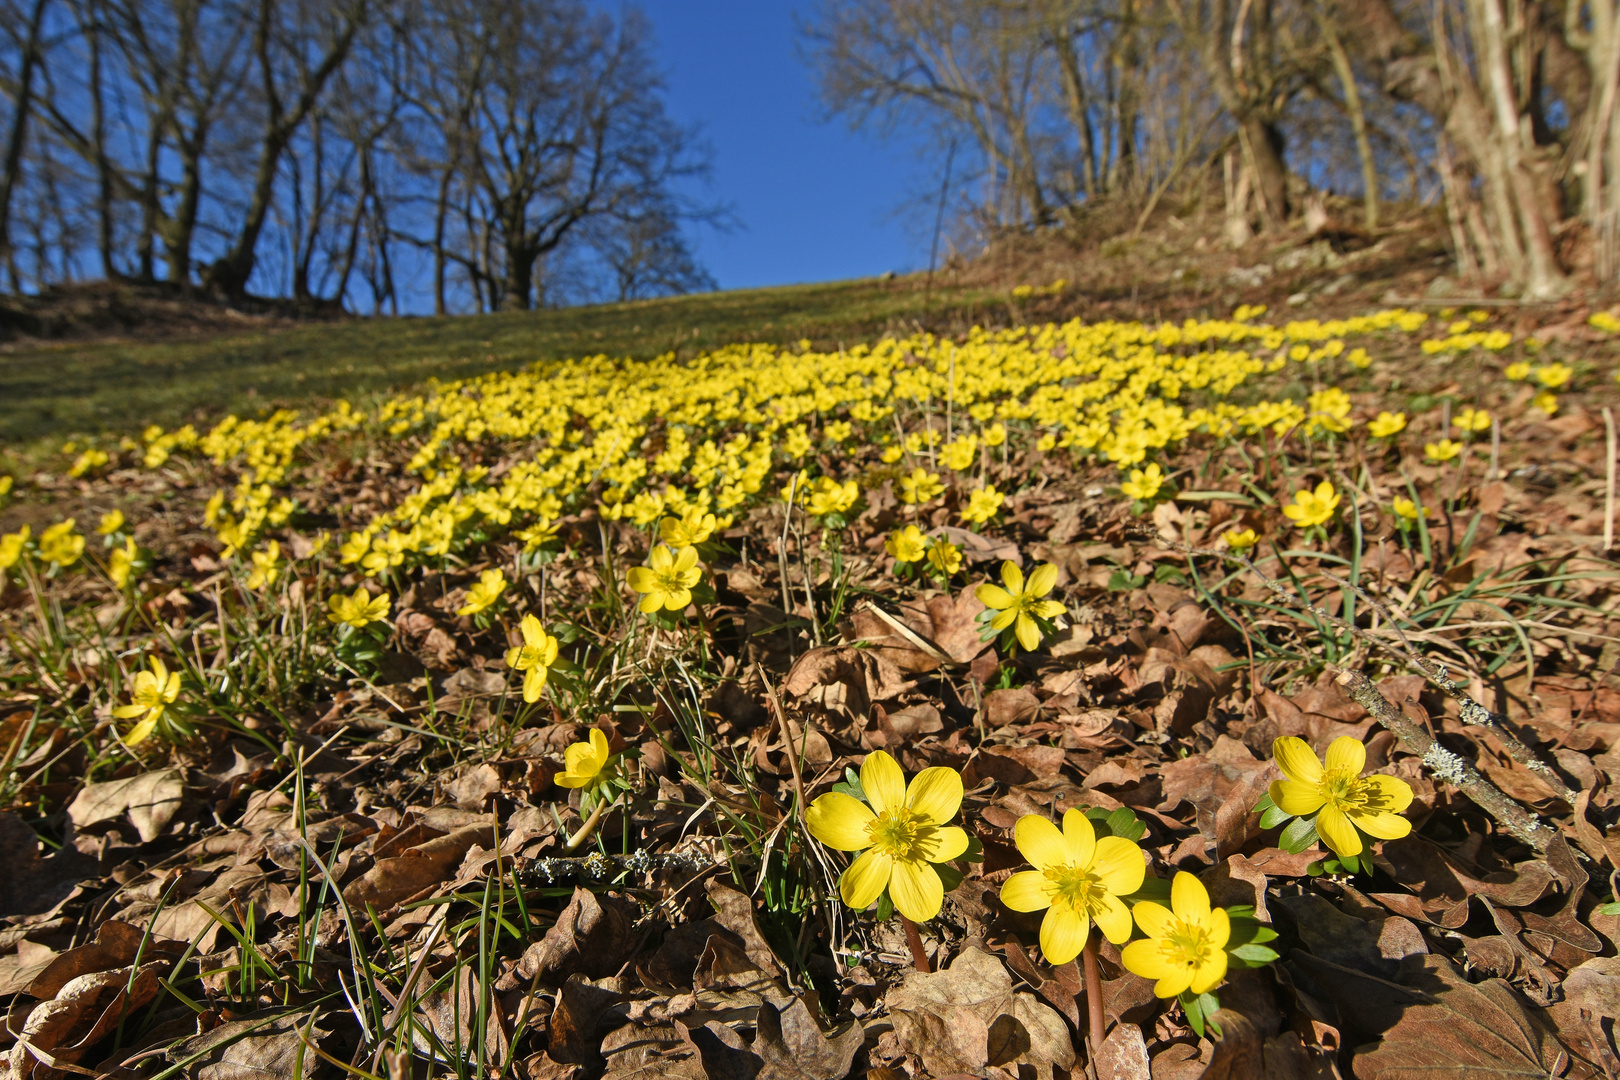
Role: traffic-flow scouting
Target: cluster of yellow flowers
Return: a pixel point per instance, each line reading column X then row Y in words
column 903, row 834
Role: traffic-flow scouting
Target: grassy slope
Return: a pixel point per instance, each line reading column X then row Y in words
column 55, row 390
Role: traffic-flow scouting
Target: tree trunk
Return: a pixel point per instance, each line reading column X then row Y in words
column 18, row 134
column 1264, row 144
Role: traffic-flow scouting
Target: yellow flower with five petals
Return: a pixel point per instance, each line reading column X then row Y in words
column 1019, row 604
column 534, row 657
column 1346, row 804
column 586, row 763
column 1185, row 947
column 154, row 691
column 1313, row 507
column 358, row 611
column 901, row 831
column 667, row 579
column 1078, row 879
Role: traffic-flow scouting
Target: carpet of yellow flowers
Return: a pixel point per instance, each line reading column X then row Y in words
column 1217, row 699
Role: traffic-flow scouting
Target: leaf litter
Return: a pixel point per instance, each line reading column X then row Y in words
column 377, row 880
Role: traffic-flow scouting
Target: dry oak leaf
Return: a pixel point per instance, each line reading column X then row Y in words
column 794, row 1047
column 1435, row 1022
column 392, row 880
column 253, row 1049
column 968, row 1017
column 591, row 936
column 34, row 884
column 151, row 800
column 61, row 1031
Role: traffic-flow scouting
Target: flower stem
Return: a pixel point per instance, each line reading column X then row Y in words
column 919, row 957
column 589, row 825
column 1094, row 1000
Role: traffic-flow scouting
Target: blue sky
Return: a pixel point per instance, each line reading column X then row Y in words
column 817, row 201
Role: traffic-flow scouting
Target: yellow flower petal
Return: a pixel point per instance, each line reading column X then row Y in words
column 1219, row 925
column 1113, row 918
column 1297, row 760
column 916, row 890
column 534, row 680
column 1028, row 634
column 1381, row 825
column 883, row 782
column 865, row 880
column 1188, row 898
column 1146, row 959
column 1027, row 891
column 581, row 759
column 1208, row 976
column 1012, row 577
column 1003, row 619
column 1040, row 842
column 1080, row 837
column 686, row 560
column 124, row 712
column 943, row 844
column 599, row 746
column 1119, row 865
column 1155, row 921
column 641, row 579
column 1337, row 832
column 993, row 596
column 1296, row 797
column 1394, row 794
column 936, row 794
column 1346, row 753
column 1042, row 579
column 142, row 731
column 840, row 821
column 1063, row 933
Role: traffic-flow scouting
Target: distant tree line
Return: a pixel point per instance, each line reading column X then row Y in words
column 1502, row 110
column 381, row 154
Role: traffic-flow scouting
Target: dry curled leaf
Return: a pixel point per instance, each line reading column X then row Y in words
column 151, row 800
column 968, row 1017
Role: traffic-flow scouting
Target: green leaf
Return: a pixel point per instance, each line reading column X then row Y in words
column 1300, row 834
column 885, row 908
column 1253, row 955
column 1264, row 804
column 1199, row 1009
column 1351, row 863
column 1611, row 908
column 851, row 785
column 1122, row 823
column 949, row 876
column 1316, row 869
column 1273, row 816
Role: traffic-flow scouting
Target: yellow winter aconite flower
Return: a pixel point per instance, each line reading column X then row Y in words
column 359, row 610
column 1078, row 879
column 12, row 546
column 828, row 496
column 59, row 545
column 994, row 435
column 945, row 557
column 1546, row 401
column 266, row 567
column 983, row 504
column 1470, row 420
column 153, row 692
column 1444, row 450
column 1240, row 539
column 1346, row 804
column 921, row 486
column 1386, row 425
column 901, row 830
column 120, row 564
column 534, row 657
column 1554, row 376
column 5, row 486
column 87, row 462
column 586, row 763
column 892, row 454
column 907, row 544
column 1517, row 371
column 488, row 589
column 1144, row 484
column 688, row 530
column 1185, row 948
column 1604, row 321
column 1313, row 507
column 112, row 521
column 838, row 431
column 1407, row 510
column 1019, row 604
column 667, row 579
